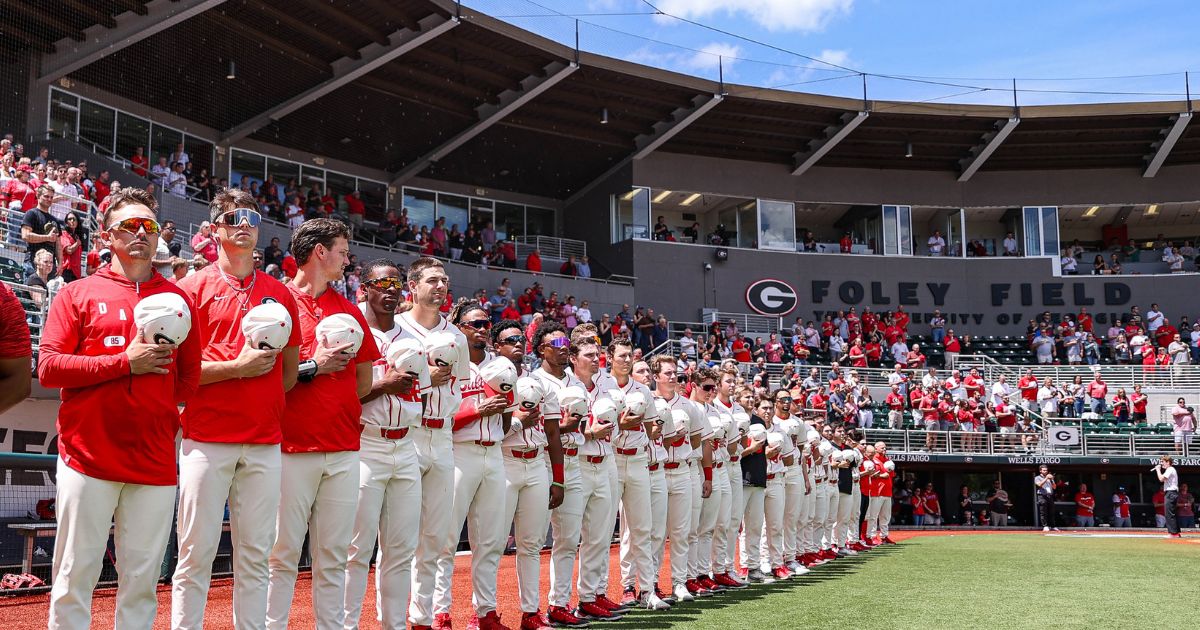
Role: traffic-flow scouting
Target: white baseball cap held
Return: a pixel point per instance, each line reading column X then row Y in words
column 267, row 326
column 528, row 393
column 339, row 329
column 500, row 375
column 164, row 318
column 441, row 348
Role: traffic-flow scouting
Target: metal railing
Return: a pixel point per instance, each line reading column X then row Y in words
column 967, row 443
column 1181, row 377
column 551, row 247
column 746, row 323
column 35, row 301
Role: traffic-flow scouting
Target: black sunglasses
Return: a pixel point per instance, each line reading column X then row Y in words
column 479, row 324
column 513, row 340
column 708, row 387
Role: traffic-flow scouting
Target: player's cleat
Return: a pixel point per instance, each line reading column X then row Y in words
column 595, row 612
column 755, row 575
column 1045, row 529
column 441, row 621
column 793, row 566
column 781, row 573
column 416, row 627
column 650, row 601
column 629, row 596
column 534, row 621
column 848, row 550
column 697, row 589
column 491, row 621
column 666, row 597
column 728, row 581
column 710, row 584
column 682, row 593
column 560, row 617
column 829, row 554
column 1174, row 535
column 800, row 570
column 607, row 604
column 887, row 540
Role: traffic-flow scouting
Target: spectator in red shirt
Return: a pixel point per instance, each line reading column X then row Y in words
column 916, row 360
column 951, row 347
column 846, row 243
column 356, row 209
column 1120, row 405
column 1085, row 507
column 1138, row 401
column 18, row 189
column 933, row 506
column 139, row 162
column 533, row 262
column 15, row 350
column 1097, row 391
column 1084, row 320
column 1028, row 384
column 901, row 319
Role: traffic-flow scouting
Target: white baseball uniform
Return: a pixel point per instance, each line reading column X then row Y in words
column 598, row 474
column 795, row 495
column 526, row 504
column 658, row 507
column 479, row 495
column 682, row 485
column 713, row 545
column 389, row 487
column 567, row 519
column 826, row 504
column 728, row 531
column 435, row 458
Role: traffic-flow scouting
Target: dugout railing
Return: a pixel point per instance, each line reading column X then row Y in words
column 1038, row 442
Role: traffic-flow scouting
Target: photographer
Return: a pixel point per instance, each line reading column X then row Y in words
column 1170, row 481
column 1044, row 484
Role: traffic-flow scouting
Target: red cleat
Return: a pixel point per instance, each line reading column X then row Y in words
column 781, row 573
column 421, row 627
column 534, row 621
column 491, row 621
column 728, row 582
column 595, row 612
column 697, row 589
column 613, row 607
column 441, row 621
column 629, row 597
column 560, row 617
column 887, row 540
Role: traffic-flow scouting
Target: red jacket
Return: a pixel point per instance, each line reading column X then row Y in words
column 113, row 425
column 533, row 262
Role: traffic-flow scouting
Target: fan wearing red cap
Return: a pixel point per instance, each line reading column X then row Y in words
column 228, row 446
column 114, row 463
column 320, row 448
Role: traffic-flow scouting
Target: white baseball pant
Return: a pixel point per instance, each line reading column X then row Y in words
column 702, row 522
column 879, row 516
column 389, row 489
column 614, row 479
column 852, row 532
column 808, row 515
column 752, row 533
column 479, row 496
column 637, row 519
column 714, row 516
column 435, row 459
column 827, row 528
column 658, row 525
column 737, row 511
column 679, row 519
column 248, row 477
column 596, row 531
column 565, row 522
column 774, row 511
column 815, row 529
column 86, row 510
column 318, row 491
column 526, row 504
column 842, row 524
column 793, row 513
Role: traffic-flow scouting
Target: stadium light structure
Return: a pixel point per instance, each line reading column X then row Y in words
column 231, row 72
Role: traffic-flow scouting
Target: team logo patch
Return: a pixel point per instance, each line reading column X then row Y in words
column 771, row 297
column 269, row 300
column 114, row 341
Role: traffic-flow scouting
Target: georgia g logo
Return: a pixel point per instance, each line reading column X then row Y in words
column 771, row 297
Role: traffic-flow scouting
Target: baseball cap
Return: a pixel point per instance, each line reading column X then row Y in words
column 1121, row 489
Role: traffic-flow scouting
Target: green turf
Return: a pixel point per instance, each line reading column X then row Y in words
column 981, row 581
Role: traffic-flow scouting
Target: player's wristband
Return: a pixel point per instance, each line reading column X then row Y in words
column 307, row 371
column 559, row 484
column 708, row 473
column 556, row 473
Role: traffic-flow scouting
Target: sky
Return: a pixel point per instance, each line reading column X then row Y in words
column 969, row 51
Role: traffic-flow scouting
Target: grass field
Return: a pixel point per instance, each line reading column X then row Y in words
column 967, row 581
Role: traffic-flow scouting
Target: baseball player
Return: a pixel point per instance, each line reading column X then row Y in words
column 736, row 421
column 712, row 545
column 551, row 343
column 691, row 426
column 389, row 478
column 867, row 481
column 757, row 469
column 781, row 454
column 704, row 512
column 879, row 509
column 843, row 486
column 428, row 286
column 113, row 464
column 320, row 451
column 663, row 429
column 531, row 489
column 230, row 452
column 796, row 485
column 631, row 447
column 479, row 486
column 826, row 496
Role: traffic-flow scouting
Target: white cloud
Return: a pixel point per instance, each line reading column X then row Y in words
column 774, row 15
column 704, row 61
column 712, row 55
column 786, row 77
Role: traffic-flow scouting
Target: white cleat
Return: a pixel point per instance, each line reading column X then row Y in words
column 799, row 570
column 650, row 601
column 682, row 593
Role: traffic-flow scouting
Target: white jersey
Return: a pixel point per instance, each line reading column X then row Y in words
column 389, row 410
column 444, row 399
column 552, row 410
column 733, row 436
column 600, row 447
column 486, row 429
column 534, row 436
column 724, row 430
column 680, row 448
column 776, row 466
column 635, row 437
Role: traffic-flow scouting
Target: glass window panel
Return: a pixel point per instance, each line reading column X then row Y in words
column 374, row 195
column 245, row 168
column 312, row 185
column 776, row 225
column 421, row 206
column 132, row 132
column 481, row 213
column 455, row 209
column 163, row 142
column 510, row 220
column 891, row 234
column 96, row 123
column 904, row 215
column 64, row 114
column 1050, row 231
column 540, row 221
column 200, row 153
column 284, row 175
column 633, row 214
column 340, row 185
column 1033, row 231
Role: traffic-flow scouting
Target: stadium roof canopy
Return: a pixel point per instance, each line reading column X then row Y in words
column 413, row 87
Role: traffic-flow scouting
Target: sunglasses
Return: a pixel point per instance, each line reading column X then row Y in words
column 709, row 387
column 783, row 401
column 134, row 224
column 514, row 340
column 559, row 343
column 479, row 324
column 235, row 217
column 386, row 284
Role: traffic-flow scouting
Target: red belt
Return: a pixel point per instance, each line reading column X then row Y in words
column 386, row 433
column 771, row 476
column 433, row 423
column 484, row 443
column 595, row 459
column 654, row 467
column 628, row 451
column 570, row 452
column 677, row 443
column 719, row 465
column 733, row 459
column 671, row 465
column 532, row 454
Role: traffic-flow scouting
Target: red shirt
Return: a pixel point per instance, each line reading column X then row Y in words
column 102, row 190
column 894, row 401
column 916, row 359
column 869, row 323
column 533, row 262
column 952, row 344
column 323, row 415
column 827, row 329
column 929, row 408
column 1120, row 403
column 740, row 352
column 15, row 342
column 1165, row 335
column 83, row 352
column 846, row 244
column 973, row 385
column 1097, row 390
column 1085, row 504
column 857, row 357
column 892, row 334
column 139, row 165
column 218, row 412
column 16, row 190
column 354, row 205
column 1159, row 499
column 1004, row 416
column 883, row 482
column 1139, row 402
column 918, row 503
column 1029, row 387
column 965, row 416
column 1085, row 323
column 901, row 320
column 874, row 352
column 932, row 504
column 915, row 397
column 945, row 411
